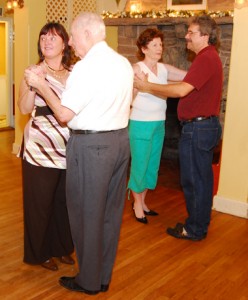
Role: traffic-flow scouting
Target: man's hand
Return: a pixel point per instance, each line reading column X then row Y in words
column 140, row 80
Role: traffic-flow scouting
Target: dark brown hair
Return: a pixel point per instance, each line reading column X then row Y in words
column 145, row 38
column 207, row 26
column 58, row 29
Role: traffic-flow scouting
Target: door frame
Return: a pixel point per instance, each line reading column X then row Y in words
column 9, row 35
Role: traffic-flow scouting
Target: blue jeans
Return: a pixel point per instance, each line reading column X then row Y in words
column 196, row 148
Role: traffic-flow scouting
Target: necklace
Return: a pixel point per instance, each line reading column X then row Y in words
column 54, row 72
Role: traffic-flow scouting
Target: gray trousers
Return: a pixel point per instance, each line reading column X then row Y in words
column 96, row 187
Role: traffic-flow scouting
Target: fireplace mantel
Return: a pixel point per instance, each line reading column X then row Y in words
column 158, row 21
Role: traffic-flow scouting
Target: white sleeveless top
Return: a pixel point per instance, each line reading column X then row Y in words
column 147, row 107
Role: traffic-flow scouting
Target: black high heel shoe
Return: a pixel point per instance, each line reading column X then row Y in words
column 150, row 213
column 142, row 220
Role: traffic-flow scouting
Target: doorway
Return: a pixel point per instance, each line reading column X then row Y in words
column 6, row 74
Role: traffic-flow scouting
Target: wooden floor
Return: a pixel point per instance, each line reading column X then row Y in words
column 150, row 265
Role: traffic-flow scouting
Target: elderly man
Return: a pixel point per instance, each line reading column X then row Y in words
column 95, row 105
column 198, row 110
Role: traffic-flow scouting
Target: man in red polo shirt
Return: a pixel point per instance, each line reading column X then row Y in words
column 198, row 110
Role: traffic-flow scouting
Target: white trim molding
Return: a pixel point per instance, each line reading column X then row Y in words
column 230, row 206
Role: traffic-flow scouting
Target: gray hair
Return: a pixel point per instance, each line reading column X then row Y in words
column 92, row 22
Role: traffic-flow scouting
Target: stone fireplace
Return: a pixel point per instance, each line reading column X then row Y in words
column 175, row 53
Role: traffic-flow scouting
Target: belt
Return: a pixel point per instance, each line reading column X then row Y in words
column 43, row 111
column 197, row 119
column 88, row 131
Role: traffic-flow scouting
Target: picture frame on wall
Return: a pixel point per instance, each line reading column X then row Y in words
column 187, row 4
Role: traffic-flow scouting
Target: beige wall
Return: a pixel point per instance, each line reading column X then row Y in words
column 220, row 4
column 3, row 91
column 2, row 3
column 108, row 5
column 111, row 36
column 3, row 86
column 2, row 49
column 161, row 4
column 27, row 22
column 232, row 196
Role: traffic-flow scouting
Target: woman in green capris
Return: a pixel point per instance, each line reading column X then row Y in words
column 147, row 121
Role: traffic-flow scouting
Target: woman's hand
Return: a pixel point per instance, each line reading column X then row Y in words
column 27, row 90
column 35, row 77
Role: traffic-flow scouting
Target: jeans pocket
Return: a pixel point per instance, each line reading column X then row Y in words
column 207, row 138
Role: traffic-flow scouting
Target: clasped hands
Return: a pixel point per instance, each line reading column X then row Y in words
column 34, row 76
column 140, row 80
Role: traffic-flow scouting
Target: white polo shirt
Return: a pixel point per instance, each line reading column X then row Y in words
column 99, row 90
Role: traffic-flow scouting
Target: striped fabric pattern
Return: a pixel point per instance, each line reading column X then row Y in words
column 44, row 138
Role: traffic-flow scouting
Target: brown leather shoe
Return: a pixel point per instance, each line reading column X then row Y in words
column 67, row 260
column 50, row 265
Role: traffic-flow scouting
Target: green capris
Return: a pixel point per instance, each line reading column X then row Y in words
column 146, row 142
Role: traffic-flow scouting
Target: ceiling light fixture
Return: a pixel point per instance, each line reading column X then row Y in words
column 241, row 3
column 12, row 4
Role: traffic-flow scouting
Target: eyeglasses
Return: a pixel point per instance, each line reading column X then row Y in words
column 192, row 32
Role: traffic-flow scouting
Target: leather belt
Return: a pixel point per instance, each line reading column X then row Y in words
column 43, row 111
column 79, row 131
column 197, row 119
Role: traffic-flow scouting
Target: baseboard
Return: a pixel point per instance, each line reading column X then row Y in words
column 15, row 148
column 229, row 206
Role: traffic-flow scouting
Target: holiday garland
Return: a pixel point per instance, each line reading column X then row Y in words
column 165, row 13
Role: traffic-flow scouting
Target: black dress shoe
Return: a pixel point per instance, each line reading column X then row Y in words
column 104, row 287
column 179, row 233
column 150, row 213
column 70, row 284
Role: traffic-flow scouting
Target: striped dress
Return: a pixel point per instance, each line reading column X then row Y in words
column 44, row 142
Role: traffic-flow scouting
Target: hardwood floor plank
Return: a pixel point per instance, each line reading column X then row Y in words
column 150, row 264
